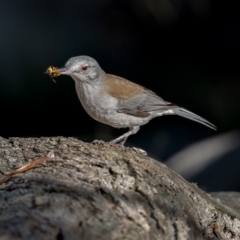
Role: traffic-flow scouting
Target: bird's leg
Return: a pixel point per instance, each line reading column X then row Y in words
column 122, row 139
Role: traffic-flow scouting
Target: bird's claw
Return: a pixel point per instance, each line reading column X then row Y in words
column 140, row 151
column 98, row 142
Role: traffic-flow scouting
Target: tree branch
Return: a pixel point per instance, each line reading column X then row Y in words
column 102, row 191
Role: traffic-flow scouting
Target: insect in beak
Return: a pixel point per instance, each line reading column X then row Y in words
column 53, row 72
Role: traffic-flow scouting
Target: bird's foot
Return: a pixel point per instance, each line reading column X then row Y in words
column 98, row 142
column 140, row 151
column 137, row 150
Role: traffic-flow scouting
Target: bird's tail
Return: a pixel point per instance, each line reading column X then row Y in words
column 192, row 116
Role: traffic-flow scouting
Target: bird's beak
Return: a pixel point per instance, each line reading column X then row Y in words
column 56, row 72
column 63, row 71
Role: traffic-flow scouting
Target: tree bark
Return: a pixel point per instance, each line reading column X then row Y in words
column 102, row 191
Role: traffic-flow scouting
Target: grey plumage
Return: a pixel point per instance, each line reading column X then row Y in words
column 143, row 104
column 194, row 117
column 118, row 102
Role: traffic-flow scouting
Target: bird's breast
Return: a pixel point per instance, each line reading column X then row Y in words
column 103, row 107
column 96, row 104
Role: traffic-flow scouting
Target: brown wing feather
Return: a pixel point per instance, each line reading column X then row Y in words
column 134, row 99
column 138, row 101
column 121, row 88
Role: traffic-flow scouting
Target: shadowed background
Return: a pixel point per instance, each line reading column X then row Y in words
column 186, row 51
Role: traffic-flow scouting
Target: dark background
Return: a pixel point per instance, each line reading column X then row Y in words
column 187, row 51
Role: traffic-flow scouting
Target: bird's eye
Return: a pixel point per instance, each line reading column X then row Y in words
column 84, row 68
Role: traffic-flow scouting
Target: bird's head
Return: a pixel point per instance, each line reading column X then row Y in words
column 82, row 69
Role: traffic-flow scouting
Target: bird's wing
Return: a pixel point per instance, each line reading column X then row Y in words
column 134, row 99
column 138, row 101
column 143, row 104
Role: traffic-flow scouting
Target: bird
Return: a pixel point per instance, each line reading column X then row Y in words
column 116, row 101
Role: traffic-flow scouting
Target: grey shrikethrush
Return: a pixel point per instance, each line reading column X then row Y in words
column 116, row 101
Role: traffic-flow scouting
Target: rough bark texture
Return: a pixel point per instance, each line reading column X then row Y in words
column 103, row 191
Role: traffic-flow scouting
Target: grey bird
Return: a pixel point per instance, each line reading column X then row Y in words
column 116, row 101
